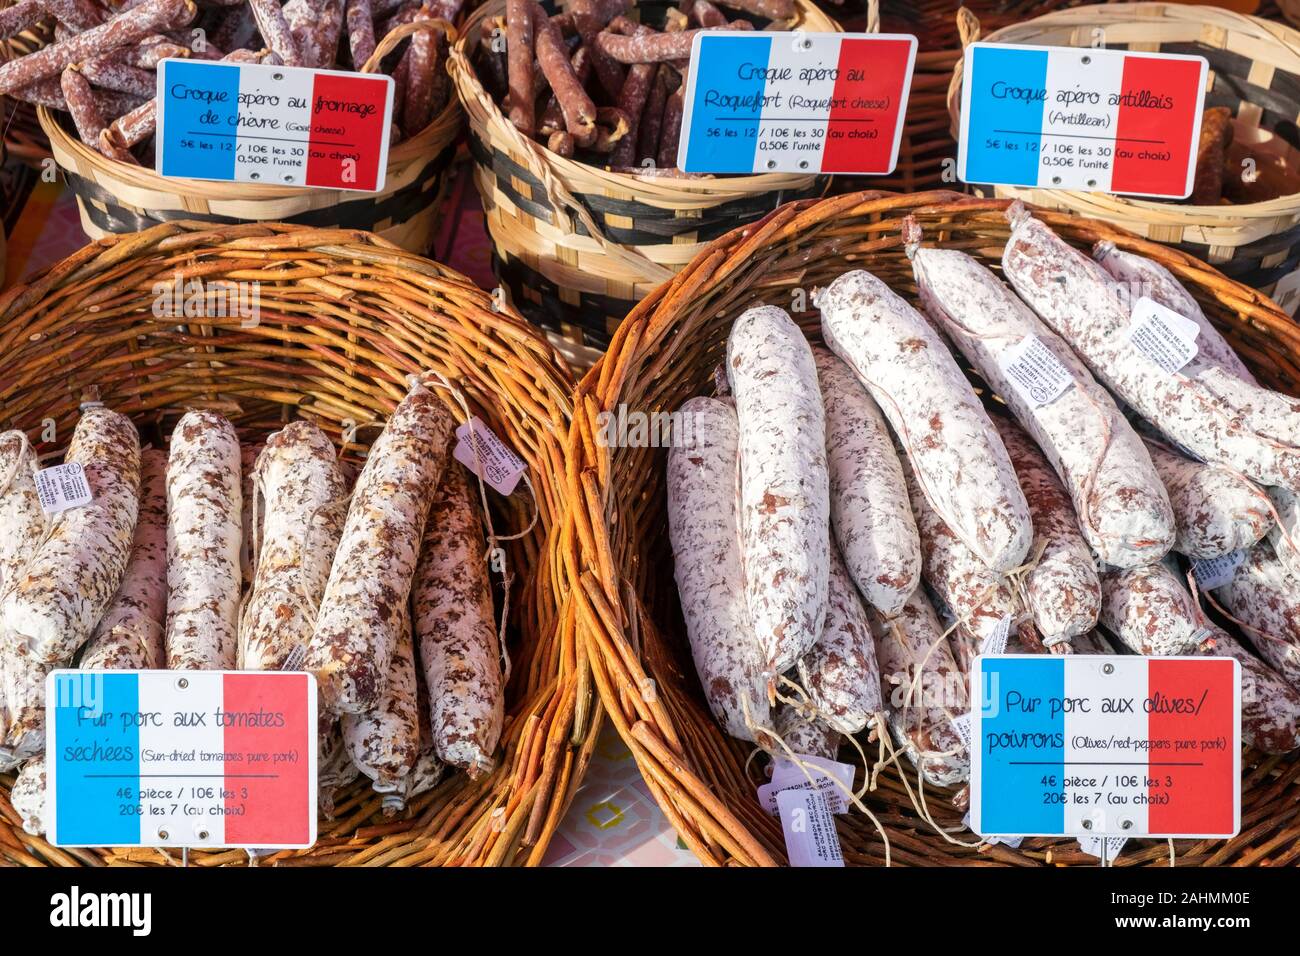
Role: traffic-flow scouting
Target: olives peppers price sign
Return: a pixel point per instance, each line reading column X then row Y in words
column 1082, row 119
column 1093, row 745
column 181, row 758
column 795, row 102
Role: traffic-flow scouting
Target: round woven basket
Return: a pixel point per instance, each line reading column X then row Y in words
column 628, row 615
column 1254, row 71
column 577, row 246
column 116, row 197
column 344, row 317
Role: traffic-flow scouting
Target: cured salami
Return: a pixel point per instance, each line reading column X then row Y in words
column 1270, row 708
column 28, row 796
column 810, row 737
column 22, row 522
column 1264, row 597
column 1151, row 612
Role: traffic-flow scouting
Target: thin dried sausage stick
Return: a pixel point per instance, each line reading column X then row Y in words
column 631, row 100
column 520, row 57
column 236, row 29
column 588, row 19
column 118, row 76
column 670, row 127
column 579, row 110
column 19, row 17
column 771, row 9
column 361, row 31
column 652, row 117
column 417, row 108
column 275, row 30
column 707, row 15
column 77, row 15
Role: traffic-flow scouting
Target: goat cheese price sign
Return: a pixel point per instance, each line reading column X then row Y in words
column 1079, row 118
column 1085, row 745
column 795, row 102
column 277, row 125
column 181, row 758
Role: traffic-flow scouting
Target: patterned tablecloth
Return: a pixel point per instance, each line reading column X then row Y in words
column 613, row 821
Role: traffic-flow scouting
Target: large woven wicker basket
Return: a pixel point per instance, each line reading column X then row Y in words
column 628, row 614
column 1254, row 71
column 577, row 246
column 344, row 318
column 115, row 197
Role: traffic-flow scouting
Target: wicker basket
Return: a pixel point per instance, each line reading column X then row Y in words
column 1254, row 71
column 628, row 615
column 116, row 197
column 577, row 246
column 350, row 318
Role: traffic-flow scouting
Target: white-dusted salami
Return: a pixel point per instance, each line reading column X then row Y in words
column 130, row 634
column 870, row 512
column 1264, row 597
column 22, row 704
column 370, row 581
column 784, row 486
column 840, row 673
column 1285, row 532
column 1061, row 585
column 1123, row 510
column 1270, row 707
column 247, row 462
column 1217, row 510
column 22, row 523
column 923, row 690
column 702, row 525
column 455, row 628
column 1150, row 611
column 299, row 491
column 28, row 796
column 961, row 465
column 808, row 736
column 67, row 584
column 204, row 531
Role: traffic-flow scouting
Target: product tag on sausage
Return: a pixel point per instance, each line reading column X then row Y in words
column 768, row 102
column 962, row 725
column 996, row 641
column 786, row 775
column 61, row 487
column 1035, row 372
column 809, row 828
column 274, row 125
column 487, row 456
column 1081, row 118
column 1106, row 745
column 1092, row 846
column 1217, row 572
column 1162, row 335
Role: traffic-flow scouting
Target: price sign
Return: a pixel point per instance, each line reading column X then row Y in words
column 181, row 758
column 795, row 102
column 1079, row 118
column 1085, row 745
column 277, row 125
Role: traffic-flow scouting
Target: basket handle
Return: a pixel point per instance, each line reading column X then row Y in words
column 969, row 29
column 873, row 16
column 398, row 34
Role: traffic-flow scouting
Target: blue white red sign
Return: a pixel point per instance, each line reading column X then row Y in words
column 275, row 125
column 181, row 758
column 1083, row 745
column 1080, row 118
column 795, row 102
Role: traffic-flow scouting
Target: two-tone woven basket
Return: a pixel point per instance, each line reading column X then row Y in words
column 665, row 352
column 577, row 246
column 343, row 318
column 1254, row 72
column 115, row 197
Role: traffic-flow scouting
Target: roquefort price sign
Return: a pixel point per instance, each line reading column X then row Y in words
column 1080, row 118
column 795, row 102
column 181, row 758
column 1093, row 745
column 273, row 125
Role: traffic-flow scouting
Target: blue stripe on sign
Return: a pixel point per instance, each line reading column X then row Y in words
column 1001, row 113
column 1021, row 744
column 97, row 776
column 724, row 131
column 200, row 106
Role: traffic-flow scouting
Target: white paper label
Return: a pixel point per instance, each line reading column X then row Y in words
column 786, row 775
column 996, row 642
column 1035, row 372
column 962, row 724
column 62, row 487
column 1162, row 335
column 1013, row 842
column 1217, row 572
column 479, row 450
column 1092, row 846
column 809, row 828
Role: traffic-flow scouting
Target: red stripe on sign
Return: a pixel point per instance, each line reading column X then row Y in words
column 864, row 112
column 268, row 796
column 347, row 130
column 1153, row 131
column 1190, row 724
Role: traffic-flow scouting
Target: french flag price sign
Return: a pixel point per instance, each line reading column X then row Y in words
column 1094, row 746
column 273, row 125
column 181, row 758
column 795, row 102
column 1082, row 119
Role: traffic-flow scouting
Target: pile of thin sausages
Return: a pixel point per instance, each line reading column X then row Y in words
column 210, row 555
column 852, row 524
column 593, row 84
column 101, row 67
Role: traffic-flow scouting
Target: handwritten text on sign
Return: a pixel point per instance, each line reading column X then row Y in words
column 1091, row 745
column 181, row 758
column 277, row 125
column 795, row 102
column 1084, row 119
